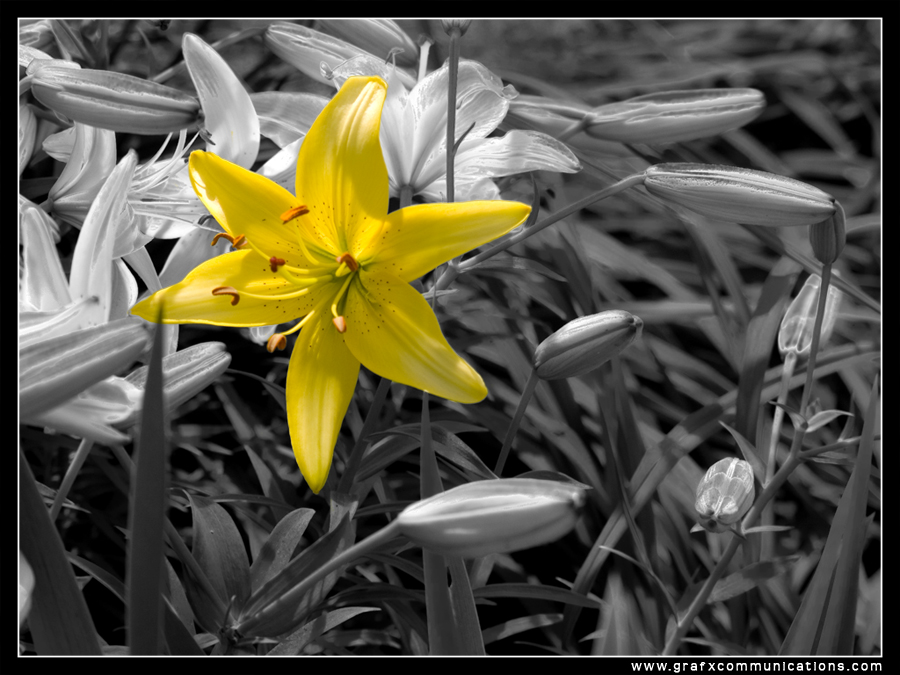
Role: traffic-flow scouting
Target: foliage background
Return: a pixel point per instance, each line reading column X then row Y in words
column 822, row 81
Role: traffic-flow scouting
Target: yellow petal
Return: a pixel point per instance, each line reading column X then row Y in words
column 321, row 379
column 393, row 332
column 192, row 301
column 341, row 175
column 246, row 203
column 418, row 238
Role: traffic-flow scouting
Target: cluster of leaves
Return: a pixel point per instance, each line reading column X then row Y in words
column 640, row 432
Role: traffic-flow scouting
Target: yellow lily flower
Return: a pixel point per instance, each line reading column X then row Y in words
column 334, row 255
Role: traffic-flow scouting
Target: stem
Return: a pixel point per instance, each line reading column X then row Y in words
column 817, row 330
column 767, row 542
column 453, row 67
column 84, row 448
column 361, row 442
column 516, row 420
column 451, row 273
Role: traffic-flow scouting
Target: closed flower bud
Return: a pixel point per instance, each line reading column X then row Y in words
column 115, row 101
column 585, row 344
column 829, row 237
column 315, row 53
column 59, row 368
column 795, row 334
column 493, row 516
column 738, row 195
column 725, row 494
column 673, row 116
column 379, row 37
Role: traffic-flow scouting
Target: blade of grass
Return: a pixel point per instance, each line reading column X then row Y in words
column 824, row 624
column 59, row 619
column 144, row 581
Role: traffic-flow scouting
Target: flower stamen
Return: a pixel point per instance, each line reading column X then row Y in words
column 346, row 259
column 339, row 321
column 294, row 212
column 237, row 242
column 228, row 290
column 277, row 341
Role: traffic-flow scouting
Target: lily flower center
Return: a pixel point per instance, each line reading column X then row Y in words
column 306, row 279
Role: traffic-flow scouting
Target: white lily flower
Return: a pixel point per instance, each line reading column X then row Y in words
column 101, row 411
column 414, row 130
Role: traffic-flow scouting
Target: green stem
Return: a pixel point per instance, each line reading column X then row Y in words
column 452, row 272
column 516, row 420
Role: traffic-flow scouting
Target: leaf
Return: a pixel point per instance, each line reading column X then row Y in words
column 536, row 592
column 296, row 641
column 59, row 619
column 465, row 616
column 514, row 265
column 748, row 451
column 146, row 514
column 824, row 624
column 281, row 603
column 520, row 625
column 820, row 419
column 279, row 547
column 219, row 551
column 749, row 577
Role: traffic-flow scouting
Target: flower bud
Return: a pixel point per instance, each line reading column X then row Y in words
column 672, row 116
column 738, row 195
column 461, row 25
column 829, row 237
column 585, row 344
column 379, row 37
column 725, row 494
column 115, row 101
column 59, row 368
column 493, row 516
column 314, row 53
column 795, row 334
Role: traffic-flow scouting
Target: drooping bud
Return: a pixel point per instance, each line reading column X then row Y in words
column 115, row 101
column 315, row 53
column 795, row 334
column 725, row 494
column 493, row 516
column 459, row 25
column 738, row 195
column 829, row 237
column 377, row 36
column 585, row 344
column 674, row 116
